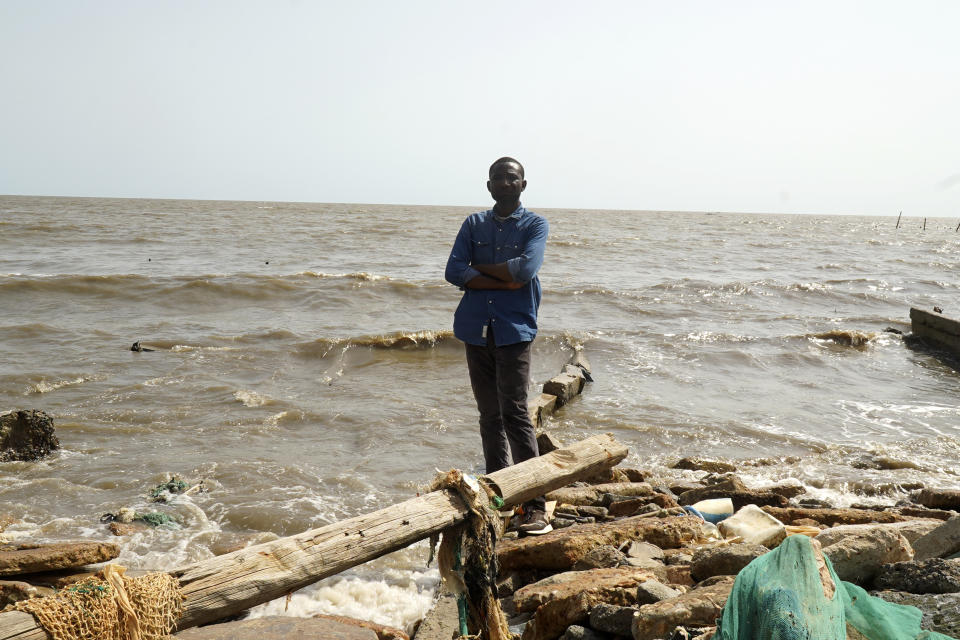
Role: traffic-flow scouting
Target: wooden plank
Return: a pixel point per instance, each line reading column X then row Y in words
column 556, row 469
column 234, row 582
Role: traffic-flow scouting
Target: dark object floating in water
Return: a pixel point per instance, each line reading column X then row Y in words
column 938, row 309
column 136, row 347
column 892, row 330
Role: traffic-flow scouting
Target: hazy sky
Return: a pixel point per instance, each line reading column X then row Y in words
column 823, row 107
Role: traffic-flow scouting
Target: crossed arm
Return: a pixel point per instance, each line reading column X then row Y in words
column 512, row 274
column 493, row 276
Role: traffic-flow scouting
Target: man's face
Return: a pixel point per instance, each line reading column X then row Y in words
column 506, row 182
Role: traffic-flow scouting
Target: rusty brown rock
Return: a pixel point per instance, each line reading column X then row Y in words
column 570, row 583
column 832, row 517
column 700, row 464
column 66, row 555
column 121, row 529
column 383, row 631
column 923, row 512
column 15, row 590
column 607, row 476
column 696, row 608
column 559, row 550
column 554, row 616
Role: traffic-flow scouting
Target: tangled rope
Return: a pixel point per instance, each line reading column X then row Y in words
column 110, row 606
column 467, row 557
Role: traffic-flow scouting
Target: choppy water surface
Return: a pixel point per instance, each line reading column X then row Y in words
column 305, row 370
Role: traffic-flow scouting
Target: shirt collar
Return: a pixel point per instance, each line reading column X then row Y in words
column 517, row 213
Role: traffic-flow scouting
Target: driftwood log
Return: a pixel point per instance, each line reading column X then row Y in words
column 234, row 582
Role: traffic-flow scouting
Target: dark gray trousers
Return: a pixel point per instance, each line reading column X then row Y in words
column 500, row 377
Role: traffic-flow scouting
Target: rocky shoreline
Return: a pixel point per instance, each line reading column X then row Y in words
column 630, row 557
column 627, row 560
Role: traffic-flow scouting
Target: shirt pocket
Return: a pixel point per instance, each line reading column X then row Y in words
column 511, row 246
column 482, row 252
column 512, row 249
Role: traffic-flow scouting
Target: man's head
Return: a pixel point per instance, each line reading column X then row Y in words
column 506, row 181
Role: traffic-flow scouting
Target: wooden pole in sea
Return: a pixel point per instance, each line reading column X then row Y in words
column 958, row 228
column 924, row 224
column 898, row 221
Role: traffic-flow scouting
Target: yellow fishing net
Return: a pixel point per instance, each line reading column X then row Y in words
column 110, row 606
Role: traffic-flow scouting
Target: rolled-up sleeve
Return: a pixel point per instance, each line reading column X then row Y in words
column 458, row 271
column 524, row 267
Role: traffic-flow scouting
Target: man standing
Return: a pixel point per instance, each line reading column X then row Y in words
column 495, row 260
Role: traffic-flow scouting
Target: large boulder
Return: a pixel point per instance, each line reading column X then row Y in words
column 941, row 612
column 559, row 550
column 278, row 628
column 857, row 558
column 697, row 608
column 939, row 498
column 52, row 557
column 912, row 530
column 939, row 543
column 26, row 435
column 571, row 583
column 724, row 560
column 935, row 575
column 832, row 517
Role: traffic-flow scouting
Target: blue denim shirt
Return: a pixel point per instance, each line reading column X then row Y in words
column 520, row 242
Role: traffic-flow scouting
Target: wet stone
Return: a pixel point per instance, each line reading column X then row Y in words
column 26, row 436
column 700, row 464
column 726, row 560
column 576, row 632
column 941, row 612
column 603, row 556
column 652, row 591
column 935, row 575
column 612, row 618
column 66, row 555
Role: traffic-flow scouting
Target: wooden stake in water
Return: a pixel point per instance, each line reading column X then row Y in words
column 924, row 224
column 898, row 221
column 958, row 228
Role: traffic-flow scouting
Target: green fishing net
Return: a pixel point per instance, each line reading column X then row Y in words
column 780, row 596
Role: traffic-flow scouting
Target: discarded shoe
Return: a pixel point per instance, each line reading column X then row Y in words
column 533, row 523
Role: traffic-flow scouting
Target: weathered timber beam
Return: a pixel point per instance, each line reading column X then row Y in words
column 234, row 582
column 556, row 469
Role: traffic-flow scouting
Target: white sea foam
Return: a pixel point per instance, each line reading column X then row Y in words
column 398, row 600
column 45, row 386
column 252, row 398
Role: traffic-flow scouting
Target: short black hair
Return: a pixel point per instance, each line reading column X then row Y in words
column 504, row 160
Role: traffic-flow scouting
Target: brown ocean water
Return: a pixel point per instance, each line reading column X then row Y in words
column 305, row 368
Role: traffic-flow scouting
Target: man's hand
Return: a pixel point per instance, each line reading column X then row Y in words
column 486, row 282
column 498, row 271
